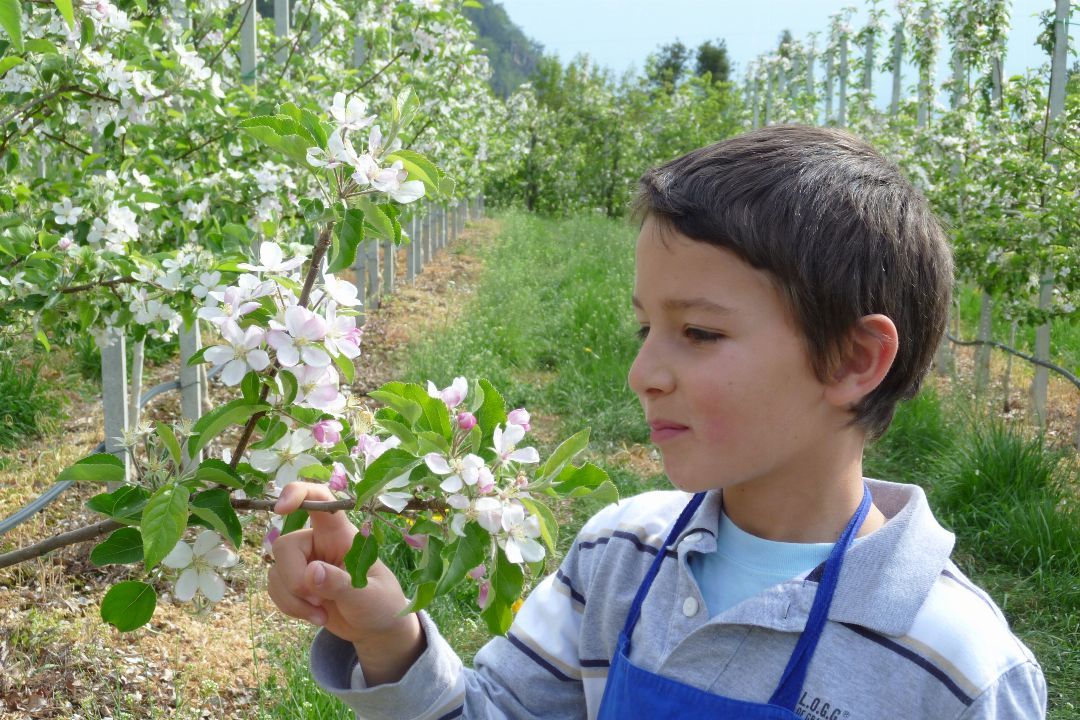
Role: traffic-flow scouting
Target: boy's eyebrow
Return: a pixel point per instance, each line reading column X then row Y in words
column 688, row 304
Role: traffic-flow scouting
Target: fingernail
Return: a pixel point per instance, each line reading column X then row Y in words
column 318, row 575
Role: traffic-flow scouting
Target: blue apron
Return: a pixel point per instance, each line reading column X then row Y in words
column 635, row 693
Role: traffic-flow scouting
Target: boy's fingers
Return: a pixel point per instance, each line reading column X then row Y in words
column 292, row 553
column 328, row 581
column 289, row 603
column 293, row 494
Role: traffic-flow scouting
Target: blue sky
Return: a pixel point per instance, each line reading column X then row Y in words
column 619, row 34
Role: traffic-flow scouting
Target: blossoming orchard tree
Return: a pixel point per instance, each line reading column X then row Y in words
column 159, row 175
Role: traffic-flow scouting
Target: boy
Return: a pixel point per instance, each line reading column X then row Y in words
column 791, row 287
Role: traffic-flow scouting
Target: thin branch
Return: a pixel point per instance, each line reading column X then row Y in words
column 225, row 43
column 62, row 141
column 101, row 283
column 321, row 246
column 1030, row 358
column 197, row 148
column 58, row 541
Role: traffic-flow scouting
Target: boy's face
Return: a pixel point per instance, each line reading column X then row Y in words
column 722, row 374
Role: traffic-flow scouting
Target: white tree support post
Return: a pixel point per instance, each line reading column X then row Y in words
column 389, row 248
column 371, row 262
column 248, row 41
column 282, row 22
column 192, row 381
column 828, row 85
column 360, row 278
column 986, row 302
column 897, row 71
column 410, row 252
column 1058, row 74
column 868, row 66
column 359, row 48
column 444, row 213
column 756, row 122
column 768, row 94
column 925, row 79
column 841, row 113
column 138, row 358
column 114, row 399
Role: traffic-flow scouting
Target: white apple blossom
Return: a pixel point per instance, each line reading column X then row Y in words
column 453, row 395
column 342, row 291
column 342, row 335
column 272, row 260
column 199, row 564
column 520, row 544
column 299, row 339
column 241, row 354
column 392, row 181
column 231, row 306
column 506, row 440
column 351, row 115
column 317, row 388
column 487, row 511
column 468, row 470
column 287, row 457
column 66, row 213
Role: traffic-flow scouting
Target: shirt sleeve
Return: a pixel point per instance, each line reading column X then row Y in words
column 1019, row 694
column 532, row 672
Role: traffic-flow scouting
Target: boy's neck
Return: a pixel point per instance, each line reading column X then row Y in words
column 811, row 504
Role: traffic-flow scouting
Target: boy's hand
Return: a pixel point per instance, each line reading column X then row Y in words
column 308, row 582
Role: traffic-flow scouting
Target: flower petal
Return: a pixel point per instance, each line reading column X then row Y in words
column 207, row 541
column 187, row 584
column 179, row 557
column 211, row 584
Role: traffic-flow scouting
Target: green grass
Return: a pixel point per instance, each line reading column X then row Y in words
column 551, row 325
column 29, row 406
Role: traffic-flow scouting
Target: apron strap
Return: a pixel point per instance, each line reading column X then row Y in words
column 791, row 682
column 643, row 589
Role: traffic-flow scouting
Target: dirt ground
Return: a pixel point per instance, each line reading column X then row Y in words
column 59, row 660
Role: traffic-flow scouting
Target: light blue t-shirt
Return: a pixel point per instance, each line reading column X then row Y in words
column 744, row 565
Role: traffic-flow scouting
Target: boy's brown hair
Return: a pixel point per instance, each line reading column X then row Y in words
column 839, row 229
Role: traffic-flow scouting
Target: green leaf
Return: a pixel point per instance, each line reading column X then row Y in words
column 549, row 526
column 571, row 479
column 289, row 387
column 168, row 437
column 163, row 522
column 218, row 472
column 402, row 433
column 213, row 423
column 294, row 521
column 507, row 579
column 361, row 556
column 408, row 409
column 215, row 508
column 567, row 451
column 346, row 366
column 128, row 605
column 142, row 6
column 349, row 235
column 463, row 555
column 124, row 504
column 64, row 6
column 282, row 133
column 11, row 21
column 426, row 576
column 43, row 47
column 9, row 62
column 491, row 413
column 100, row 467
column 472, row 4
column 315, row 472
column 122, row 547
column 250, row 386
column 419, row 168
column 197, row 358
column 392, row 464
column 376, row 220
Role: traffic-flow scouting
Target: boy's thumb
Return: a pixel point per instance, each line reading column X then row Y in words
column 328, row 581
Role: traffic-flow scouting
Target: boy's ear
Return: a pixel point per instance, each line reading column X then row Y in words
column 868, row 356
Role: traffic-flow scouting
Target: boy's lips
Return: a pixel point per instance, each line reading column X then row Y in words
column 662, row 430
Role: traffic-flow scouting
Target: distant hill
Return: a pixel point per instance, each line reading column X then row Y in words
column 512, row 54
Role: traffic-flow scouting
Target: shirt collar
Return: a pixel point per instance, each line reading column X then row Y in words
column 886, row 577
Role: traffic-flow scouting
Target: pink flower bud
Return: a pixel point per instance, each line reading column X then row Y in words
column 417, row 541
column 466, row 421
column 519, row 417
column 327, row 432
column 271, row 535
column 64, row 243
column 478, row 572
column 354, row 335
column 365, row 528
column 484, row 596
column 339, row 479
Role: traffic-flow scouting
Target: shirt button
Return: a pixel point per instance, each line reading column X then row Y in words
column 690, row 607
column 692, row 538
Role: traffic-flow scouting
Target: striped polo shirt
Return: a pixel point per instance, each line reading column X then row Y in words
column 908, row 635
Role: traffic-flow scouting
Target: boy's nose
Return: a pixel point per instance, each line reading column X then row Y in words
column 649, row 375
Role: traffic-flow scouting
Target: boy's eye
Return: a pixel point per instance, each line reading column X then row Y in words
column 643, row 332
column 698, row 335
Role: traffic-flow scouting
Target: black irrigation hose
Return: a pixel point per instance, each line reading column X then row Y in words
column 50, row 495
